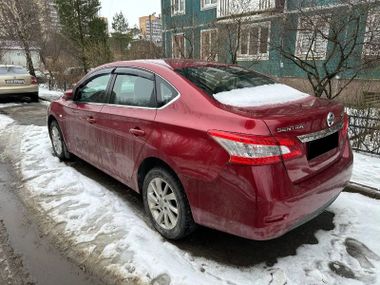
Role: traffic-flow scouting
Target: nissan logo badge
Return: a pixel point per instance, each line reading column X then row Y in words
column 330, row 119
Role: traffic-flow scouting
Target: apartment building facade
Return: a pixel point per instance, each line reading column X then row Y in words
column 268, row 29
column 151, row 28
column 48, row 15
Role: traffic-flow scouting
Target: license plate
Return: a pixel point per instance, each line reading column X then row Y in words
column 15, row 81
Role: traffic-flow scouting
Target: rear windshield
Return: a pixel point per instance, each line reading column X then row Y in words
column 12, row 70
column 216, row 79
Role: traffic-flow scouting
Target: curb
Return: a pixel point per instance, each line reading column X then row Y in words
column 368, row 191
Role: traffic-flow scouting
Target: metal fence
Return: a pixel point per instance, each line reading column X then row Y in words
column 364, row 131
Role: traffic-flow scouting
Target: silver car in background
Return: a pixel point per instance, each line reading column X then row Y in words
column 16, row 82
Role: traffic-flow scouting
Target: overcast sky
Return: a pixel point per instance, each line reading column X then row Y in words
column 132, row 9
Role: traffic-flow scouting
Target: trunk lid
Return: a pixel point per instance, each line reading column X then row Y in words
column 305, row 121
column 12, row 80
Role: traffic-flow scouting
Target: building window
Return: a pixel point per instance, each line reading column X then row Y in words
column 311, row 40
column 265, row 4
column 178, row 7
column 254, row 41
column 209, row 45
column 178, row 46
column 371, row 46
column 208, row 4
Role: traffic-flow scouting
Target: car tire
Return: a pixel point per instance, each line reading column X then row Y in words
column 167, row 205
column 57, row 141
column 34, row 97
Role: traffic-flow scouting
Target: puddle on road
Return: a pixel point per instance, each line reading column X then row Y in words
column 26, row 114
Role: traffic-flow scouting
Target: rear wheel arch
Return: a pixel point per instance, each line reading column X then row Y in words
column 148, row 164
column 150, row 170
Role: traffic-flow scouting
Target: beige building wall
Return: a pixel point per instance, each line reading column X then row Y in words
column 142, row 23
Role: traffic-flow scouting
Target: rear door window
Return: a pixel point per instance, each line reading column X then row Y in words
column 133, row 90
column 165, row 92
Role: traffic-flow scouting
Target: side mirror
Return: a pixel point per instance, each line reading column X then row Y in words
column 68, row 95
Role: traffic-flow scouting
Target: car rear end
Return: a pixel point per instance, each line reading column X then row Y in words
column 274, row 181
column 16, row 82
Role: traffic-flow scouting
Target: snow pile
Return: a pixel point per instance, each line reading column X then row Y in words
column 111, row 238
column 270, row 94
column 5, row 121
column 366, row 170
column 8, row 105
column 49, row 95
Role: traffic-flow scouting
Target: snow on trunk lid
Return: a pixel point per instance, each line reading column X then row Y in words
column 269, row 94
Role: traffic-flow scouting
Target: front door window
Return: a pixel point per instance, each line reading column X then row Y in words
column 95, row 90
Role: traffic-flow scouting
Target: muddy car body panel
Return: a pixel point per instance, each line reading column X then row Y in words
column 190, row 133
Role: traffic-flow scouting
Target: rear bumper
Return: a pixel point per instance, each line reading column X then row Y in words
column 16, row 90
column 262, row 203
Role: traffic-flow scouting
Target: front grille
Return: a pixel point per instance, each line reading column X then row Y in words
column 320, row 146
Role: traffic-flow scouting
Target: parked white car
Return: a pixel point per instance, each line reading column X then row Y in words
column 16, row 82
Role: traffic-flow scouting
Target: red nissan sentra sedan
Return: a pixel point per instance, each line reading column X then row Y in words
column 207, row 143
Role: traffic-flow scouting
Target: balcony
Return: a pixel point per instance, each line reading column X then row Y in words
column 228, row 8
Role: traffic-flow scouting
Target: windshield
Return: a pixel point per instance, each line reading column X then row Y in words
column 12, row 70
column 215, row 79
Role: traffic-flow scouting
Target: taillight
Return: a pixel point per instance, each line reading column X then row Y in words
column 255, row 150
column 34, row 80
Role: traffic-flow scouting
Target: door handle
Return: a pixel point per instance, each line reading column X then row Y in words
column 137, row 132
column 91, row 120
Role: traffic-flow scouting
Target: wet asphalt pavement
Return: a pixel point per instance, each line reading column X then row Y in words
column 26, row 256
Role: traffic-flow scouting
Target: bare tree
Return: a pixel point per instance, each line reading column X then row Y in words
column 331, row 44
column 20, row 22
column 241, row 33
column 143, row 49
column 183, row 34
column 1, row 50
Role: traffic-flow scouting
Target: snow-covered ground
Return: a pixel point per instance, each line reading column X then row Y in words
column 7, row 105
column 5, row 121
column 366, row 170
column 49, row 95
column 107, row 235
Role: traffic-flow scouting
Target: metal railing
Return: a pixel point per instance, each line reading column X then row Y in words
column 235, row 7
column 364, row 132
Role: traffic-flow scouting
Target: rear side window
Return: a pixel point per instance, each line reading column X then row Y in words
column 165, row 92
column 215, row 79
column 95, row 90
column 133, row 90
column 13, row 70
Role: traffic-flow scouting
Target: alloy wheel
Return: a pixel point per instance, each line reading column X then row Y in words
column 56, row 140
column 163, row 203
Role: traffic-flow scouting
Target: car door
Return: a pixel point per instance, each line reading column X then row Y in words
column 130, row 118
column 84, row 135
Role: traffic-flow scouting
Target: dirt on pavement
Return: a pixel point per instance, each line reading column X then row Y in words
column 11, row 267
